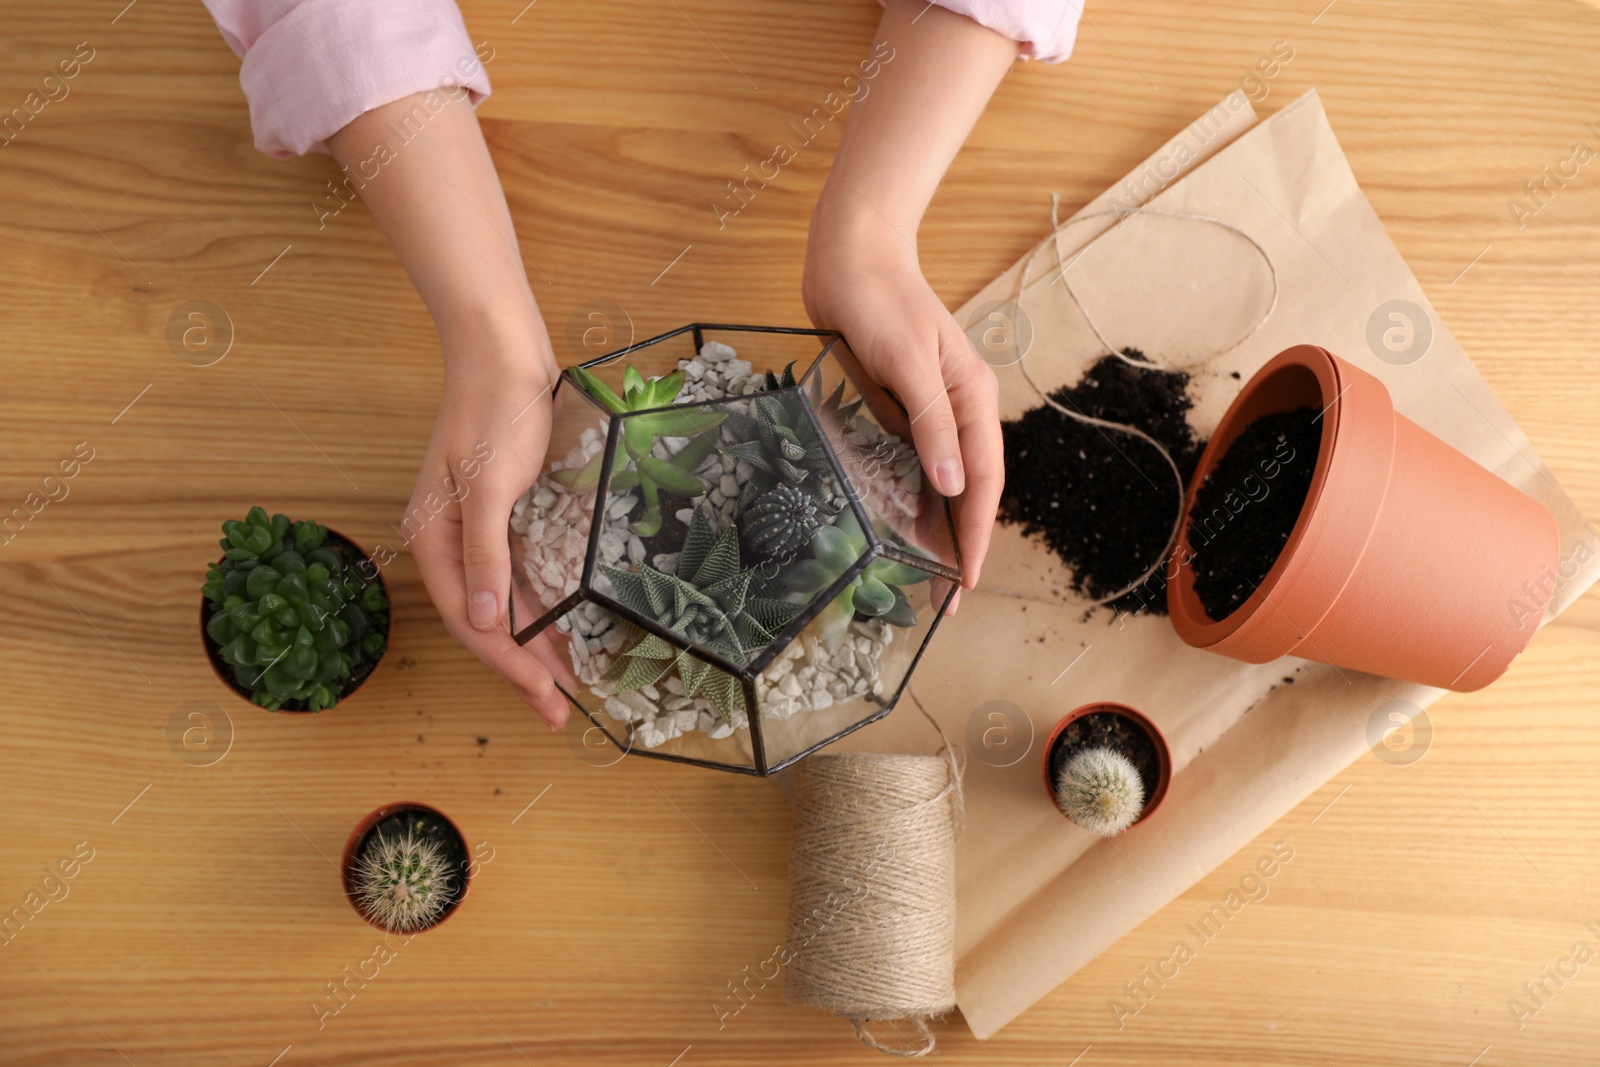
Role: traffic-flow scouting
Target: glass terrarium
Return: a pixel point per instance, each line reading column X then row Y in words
column 732, row 547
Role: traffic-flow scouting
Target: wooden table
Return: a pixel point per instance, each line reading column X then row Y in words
column 620, row 901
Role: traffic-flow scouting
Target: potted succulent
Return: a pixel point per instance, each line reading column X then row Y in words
column 1106, row 767
column 742, row 565
column 294, row 616
column 405, row 868
column 1323, row 524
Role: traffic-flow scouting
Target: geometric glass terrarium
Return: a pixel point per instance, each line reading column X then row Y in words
column 731, row 546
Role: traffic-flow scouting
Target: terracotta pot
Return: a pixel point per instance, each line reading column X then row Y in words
column 1408, row 559
column 224, row 673
column 1139, row 719
column 347, row 861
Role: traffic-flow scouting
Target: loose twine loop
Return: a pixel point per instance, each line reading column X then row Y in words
column 872, row 894
column 872, row 901
column 1059, row 273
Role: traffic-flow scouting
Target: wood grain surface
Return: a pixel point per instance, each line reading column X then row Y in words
column 621, row 901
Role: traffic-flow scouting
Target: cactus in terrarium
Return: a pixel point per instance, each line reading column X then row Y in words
column 875, row 593
column 649, row 473
column 1100, row 790
column 780, row 522
column 290, row 615
column 403, row 883
column 707, row 601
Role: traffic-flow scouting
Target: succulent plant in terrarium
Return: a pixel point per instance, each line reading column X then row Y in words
column 793, row 489
column 876, row 593
column 290, row 615
column 649, row 473
column 403, row 883
column 708, row 601
column 1100, row 790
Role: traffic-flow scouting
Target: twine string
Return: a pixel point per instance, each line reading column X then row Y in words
column 1060, row 273
column 872, row 890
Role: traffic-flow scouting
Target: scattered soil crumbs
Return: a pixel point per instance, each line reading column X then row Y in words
column 1102, row 500
column 1107, row 729
column 1247, row 507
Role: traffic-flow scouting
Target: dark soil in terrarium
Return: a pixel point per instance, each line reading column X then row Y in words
column 1244, row 512
column 1104, row 501
column 1107, row 729
column 671, row 536
column 425, row 826
column 353, row 559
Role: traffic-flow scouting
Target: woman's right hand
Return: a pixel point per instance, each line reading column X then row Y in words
column 487, row 448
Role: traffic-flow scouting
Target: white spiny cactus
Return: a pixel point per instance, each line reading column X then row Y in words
column 402, row 883
column 1100, row 790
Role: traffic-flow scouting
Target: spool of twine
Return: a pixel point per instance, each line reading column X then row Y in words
column 872, row 901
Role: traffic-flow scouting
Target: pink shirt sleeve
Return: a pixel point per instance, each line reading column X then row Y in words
column 311, row 66
column 1046, row 28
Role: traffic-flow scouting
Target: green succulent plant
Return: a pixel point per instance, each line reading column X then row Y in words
column 875, row 593
column 782, row 442
column 709, row 603
column 773, row 382
column 290, row 615
column 649, row 473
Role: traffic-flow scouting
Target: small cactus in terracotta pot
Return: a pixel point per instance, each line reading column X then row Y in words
column 403, row 883
column 406, row 868
column 1106, row 767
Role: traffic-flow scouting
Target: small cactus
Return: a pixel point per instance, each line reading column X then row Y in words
column 1100, row 790
column 403, row 884
column 779, row 523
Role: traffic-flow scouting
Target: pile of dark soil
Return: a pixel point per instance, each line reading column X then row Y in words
column 1104, row 501
column 1107, row 729
column 1246, row 509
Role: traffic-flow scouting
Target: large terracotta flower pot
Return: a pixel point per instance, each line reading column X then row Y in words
column 1408, row 559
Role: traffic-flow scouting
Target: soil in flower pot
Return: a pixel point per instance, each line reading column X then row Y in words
column 1252, row 499
column 295, row 616
column 1407, row 560
column 406, row 868
column 1103, row 501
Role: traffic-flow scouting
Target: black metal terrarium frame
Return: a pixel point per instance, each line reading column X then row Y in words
column 746, row 673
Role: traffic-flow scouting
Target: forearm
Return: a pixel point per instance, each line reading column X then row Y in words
column 902, row 137
column 438, row 201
